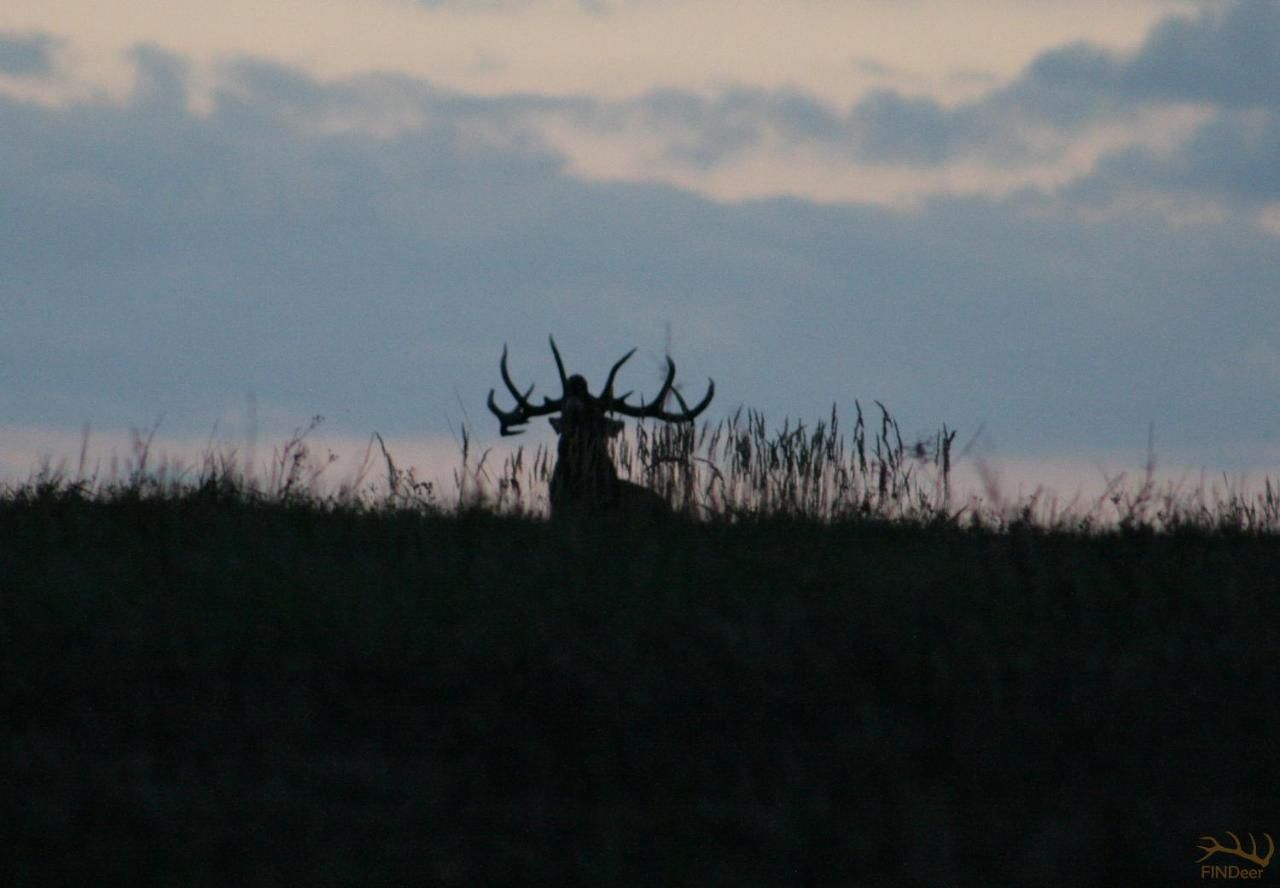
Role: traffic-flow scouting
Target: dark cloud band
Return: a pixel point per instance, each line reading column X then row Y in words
column 26, row 55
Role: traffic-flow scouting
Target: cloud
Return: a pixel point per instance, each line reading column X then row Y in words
column 892, row 127
column 593, row 7
column 1228, row 56
column 1226, row 59
column 162, row 77
column 477, row 5
column 26, row 55
column 159, row 260
column 1232, row 159
column 703, row 132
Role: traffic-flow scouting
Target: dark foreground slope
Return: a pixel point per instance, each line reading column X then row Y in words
column 211, row 692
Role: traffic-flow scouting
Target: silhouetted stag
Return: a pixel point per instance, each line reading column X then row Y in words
column 585, row 479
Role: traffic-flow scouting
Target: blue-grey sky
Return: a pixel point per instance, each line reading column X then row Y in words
column 1063, row 226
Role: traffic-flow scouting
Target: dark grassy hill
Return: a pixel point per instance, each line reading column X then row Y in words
column 217, row 690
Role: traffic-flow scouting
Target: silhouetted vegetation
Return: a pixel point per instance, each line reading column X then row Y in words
column 822, row 672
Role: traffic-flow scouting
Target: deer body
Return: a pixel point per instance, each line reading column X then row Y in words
column 585, row 480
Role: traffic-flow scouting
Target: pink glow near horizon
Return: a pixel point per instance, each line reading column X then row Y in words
column 1051, row 485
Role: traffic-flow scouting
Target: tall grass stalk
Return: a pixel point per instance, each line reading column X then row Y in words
column 740, row 468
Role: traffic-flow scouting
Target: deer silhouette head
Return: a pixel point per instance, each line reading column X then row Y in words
column 585, row 478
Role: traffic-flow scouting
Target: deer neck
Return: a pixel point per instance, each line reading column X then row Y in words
column 585, row 456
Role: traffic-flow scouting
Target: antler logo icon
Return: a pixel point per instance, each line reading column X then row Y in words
column 1251, row 855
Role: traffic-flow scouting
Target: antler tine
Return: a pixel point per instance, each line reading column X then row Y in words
column 521, row 400
column 607, row 394
column 654, row 408
column 701, row 405
column 564, row 380
column 509, row 420
column 661, row 397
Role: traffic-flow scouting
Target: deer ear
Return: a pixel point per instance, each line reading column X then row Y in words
column 616, row 426
column 555, row 423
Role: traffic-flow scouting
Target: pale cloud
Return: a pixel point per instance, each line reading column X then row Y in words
column 564, row 47
column 1188, row 111
column 778, row 100
column 739, row 143
column 1081, row 114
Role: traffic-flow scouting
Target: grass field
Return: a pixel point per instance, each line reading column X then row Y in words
column 211, row 685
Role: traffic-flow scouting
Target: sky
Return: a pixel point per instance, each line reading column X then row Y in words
column 1053, row 226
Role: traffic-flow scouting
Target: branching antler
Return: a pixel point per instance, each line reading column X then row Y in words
column 654, row 408
column 510, row 420
column 1251, row 855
